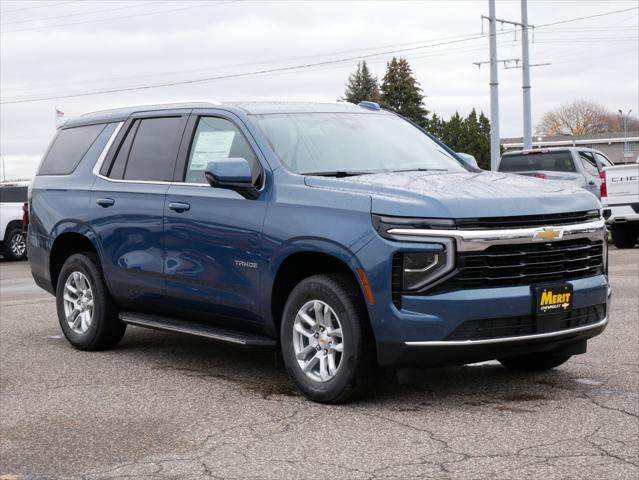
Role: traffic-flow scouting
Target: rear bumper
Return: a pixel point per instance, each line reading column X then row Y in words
column 439, row 353
column 624, row 213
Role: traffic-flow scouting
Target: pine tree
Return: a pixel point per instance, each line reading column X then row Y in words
column 484, row 134
column 452, row 132
column 435, row 125
column 400, row 92
column 361, row 85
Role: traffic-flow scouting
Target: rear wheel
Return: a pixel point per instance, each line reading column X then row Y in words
column 327, row 346
column 86, row 311
column 534, row 362
column 624, row 235
column 15, row 244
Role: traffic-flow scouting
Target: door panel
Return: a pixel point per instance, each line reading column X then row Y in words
column 213, row 236
column 213, row 244
column 128, row 207
column 127, row 218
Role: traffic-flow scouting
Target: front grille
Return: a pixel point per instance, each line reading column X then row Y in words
column 527, row 324
column 526, row 221
column 396, row 280
column 526, row 264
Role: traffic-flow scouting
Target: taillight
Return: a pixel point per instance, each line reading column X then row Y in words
column 603, row 190
column 25, row 214
column 540, row 175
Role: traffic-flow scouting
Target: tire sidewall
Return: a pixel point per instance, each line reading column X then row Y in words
column 80, row 263
column 317, row 289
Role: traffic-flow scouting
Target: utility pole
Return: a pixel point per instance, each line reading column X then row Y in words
column 525, row 71
column 495, row 148
column 624, row 118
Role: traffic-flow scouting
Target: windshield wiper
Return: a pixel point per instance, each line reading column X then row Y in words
column 421, row 170
column 337, row 173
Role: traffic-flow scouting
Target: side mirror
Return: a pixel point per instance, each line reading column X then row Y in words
column 469, row 159
column 232, row 174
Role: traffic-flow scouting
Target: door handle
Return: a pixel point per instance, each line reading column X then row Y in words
column 591, row 183
column 179, row 207
column 105, row 202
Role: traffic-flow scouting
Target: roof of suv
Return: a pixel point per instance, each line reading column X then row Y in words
column 250, row 108
column 537, row 151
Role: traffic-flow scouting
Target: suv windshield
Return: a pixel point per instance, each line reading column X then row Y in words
column 523, row 162
column 352, row 143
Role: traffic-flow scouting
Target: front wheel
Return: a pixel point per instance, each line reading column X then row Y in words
column 86, row 311
column 534, row 362
column 327, row 345
column 15, row 244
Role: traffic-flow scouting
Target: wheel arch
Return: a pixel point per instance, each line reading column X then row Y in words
column 63, row 246
column 294, row 264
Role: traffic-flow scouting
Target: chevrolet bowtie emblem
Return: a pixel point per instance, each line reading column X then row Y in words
column 548, row 234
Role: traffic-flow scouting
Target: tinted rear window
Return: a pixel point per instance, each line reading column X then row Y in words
column 13, row 194
column 68, row 148
column 554, row 161
column 154, row 149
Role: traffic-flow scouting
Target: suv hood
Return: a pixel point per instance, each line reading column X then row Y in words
column 461, row 195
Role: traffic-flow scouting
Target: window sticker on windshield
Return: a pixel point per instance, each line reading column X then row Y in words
column 211, row 146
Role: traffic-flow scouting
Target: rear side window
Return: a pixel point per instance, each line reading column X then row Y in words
column 154, row 149
column 589, row 163
column 68, row 148
column 13, row 194
column 553, row 161
column 603, row 160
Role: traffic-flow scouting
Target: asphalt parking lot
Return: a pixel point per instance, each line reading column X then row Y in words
column 168, row 406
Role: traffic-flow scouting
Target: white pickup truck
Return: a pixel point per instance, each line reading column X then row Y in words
column 620, row 196
column 13, row 239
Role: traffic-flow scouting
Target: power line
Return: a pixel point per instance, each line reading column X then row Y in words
column 286, row 68
column 287, row 59
column 121, row 17
column 83, row 13
column 39, row 6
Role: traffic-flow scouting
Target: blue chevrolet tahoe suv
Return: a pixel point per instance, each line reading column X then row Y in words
column 344, row 234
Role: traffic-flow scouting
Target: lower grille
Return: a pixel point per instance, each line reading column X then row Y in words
column 528, row 324
column 526, row 264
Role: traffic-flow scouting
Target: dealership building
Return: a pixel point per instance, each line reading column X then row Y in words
column 619, row 148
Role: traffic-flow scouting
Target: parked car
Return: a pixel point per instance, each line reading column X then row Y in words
column 620, row 197
column 13, row 239
column 344, row 234
column 581, row 166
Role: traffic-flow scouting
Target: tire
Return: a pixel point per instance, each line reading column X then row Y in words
column 97, row 327
column 624, row 235
column 534, row 362
column 355, row 367
column 15, row 244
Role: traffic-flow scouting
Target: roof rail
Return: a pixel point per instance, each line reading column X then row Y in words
column 158, row 104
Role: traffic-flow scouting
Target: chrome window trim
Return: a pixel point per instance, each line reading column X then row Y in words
column 536, row 336
column 477, row 240
column 105, row 151
column 103, row 155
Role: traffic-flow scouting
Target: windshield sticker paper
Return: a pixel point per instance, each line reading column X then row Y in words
column 211, row 146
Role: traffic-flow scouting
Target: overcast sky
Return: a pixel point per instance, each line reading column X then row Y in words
column 59, row 48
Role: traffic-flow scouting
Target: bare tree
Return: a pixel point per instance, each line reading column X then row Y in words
column 580, row 117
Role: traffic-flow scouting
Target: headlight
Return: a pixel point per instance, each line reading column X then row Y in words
column 422, row 268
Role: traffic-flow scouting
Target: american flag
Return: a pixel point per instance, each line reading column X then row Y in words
column 58, row 113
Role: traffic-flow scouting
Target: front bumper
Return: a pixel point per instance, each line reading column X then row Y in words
column 439, row 353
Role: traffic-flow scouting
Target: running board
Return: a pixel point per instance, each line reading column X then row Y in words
column 196, row 329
